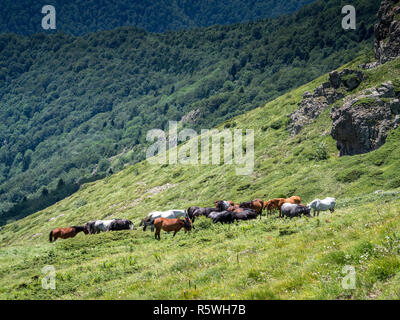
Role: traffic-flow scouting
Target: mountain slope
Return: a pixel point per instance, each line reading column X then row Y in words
column 70, row 105
column 267, row 259
column 81, row 17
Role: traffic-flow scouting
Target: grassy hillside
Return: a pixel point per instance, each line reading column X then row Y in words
column 81, row 17
column 267, row 259
column 71, row 107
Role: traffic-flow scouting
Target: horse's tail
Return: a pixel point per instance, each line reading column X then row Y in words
column 51, row 236
column 141, row 222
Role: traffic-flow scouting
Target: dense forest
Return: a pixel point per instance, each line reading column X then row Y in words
column 69, row 105
column 78, row 17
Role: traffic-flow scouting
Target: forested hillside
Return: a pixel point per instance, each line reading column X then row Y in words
column 69, row 104
column 271, row 258
column 80, row 17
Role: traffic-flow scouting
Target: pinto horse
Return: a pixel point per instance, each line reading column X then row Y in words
column 223, row 205
column 98, row 226
column 65, row 233
column 171, row 225
column 257, row 205
column 170, row 214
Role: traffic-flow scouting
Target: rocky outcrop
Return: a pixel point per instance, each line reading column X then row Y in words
column 314, row 103
column 192, row 116
column 362, row 124
column 387, row 31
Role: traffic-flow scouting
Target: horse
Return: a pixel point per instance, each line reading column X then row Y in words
column 295, row 210
column 121, row 224
column 171, row 225
column 256, row 205
column 65, row 233
column 223, row 205
column 322, row 205
column 102, row 225
column 191, row 211
column 89, row 227
column 245, row 215
column 222, row 216
column 170, row 214
column 292, row 200
column 272, row 204
column 194, row 212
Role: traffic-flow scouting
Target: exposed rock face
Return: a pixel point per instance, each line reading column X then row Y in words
column 192, row 116
column 387, row 31
column 362, row 124
column 313, row 104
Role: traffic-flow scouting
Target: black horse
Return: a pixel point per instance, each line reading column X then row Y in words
column 194, row 212
column 222, row 217
column 121, row 224
column 295, row 210
column 246, row 215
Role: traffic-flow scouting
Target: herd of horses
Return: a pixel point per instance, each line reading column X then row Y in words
column 223, row 212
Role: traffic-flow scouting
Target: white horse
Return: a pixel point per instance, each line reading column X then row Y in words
column 170, row 214
column 322, row 205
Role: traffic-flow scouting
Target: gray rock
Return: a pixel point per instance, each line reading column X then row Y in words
column 329, row 92
column 387, row 31
column 361, row 125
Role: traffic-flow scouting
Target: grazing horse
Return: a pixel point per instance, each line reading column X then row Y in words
column 65, row 233
column 171, row 225
column 191, row 211
column 245, row 215
column 170, row 214
column 194, row 212
column 292, row 200
column 272, row 204
column 102, row 225
column 89, row 227
column 322, row 205
column 256, row 205
column 223, row 205
column 295, row 210
column 222, row 217
column 121, row 224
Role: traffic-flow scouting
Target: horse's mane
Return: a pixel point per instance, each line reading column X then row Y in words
column 79, row 228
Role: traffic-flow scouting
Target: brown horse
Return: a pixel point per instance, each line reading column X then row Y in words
column 272, row 204
column 292, row 200
column 171, row 225
column 257, row 205
column 65, row 233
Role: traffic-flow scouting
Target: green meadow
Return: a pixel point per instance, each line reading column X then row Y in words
column 269, row 258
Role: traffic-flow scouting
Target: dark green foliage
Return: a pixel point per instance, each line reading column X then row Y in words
column 70, row 104
column 81, row 16
column 46, row 198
